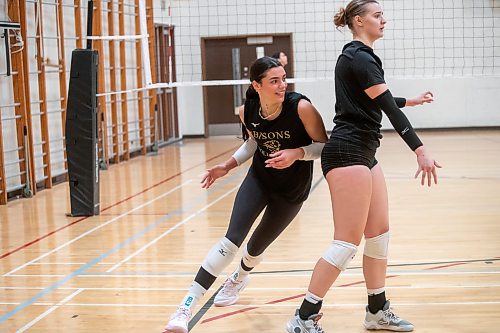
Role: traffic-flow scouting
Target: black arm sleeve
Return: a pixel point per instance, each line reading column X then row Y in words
column 398, row 119
column 400, row 102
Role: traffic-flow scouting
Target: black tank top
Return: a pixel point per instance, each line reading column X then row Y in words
column 285, row 132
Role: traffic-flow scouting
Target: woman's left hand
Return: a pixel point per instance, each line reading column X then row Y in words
column 284, row 158
column 425, row 97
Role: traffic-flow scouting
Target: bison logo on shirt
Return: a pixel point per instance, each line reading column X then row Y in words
column 272, row 146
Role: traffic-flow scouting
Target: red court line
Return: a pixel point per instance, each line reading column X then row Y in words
column 225, row 315
column 137, row 214
column 113, row 205
column 273, row 302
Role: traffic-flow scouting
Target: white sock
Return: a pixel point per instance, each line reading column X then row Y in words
column 373, row 292
column 311, row 298
column 239, row 274
column 194, row 294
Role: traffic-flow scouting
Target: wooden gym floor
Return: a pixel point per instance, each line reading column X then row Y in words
column 127, row 269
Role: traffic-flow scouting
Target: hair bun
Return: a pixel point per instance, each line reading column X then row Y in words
column 340, row 18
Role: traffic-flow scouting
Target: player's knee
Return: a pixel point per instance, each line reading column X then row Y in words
column 251, row 261
column 377, row 247
column 340, row 254
column 219, row 256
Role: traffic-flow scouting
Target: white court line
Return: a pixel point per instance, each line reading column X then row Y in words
column 434, row 261
column 46, row 313
column 257, row 274
column 353, row 263
column 171, row 229
column 430, row 286
column 43, row 315
column 135, row 305
column 96, row 228
column 274, row 305
column 43, row 263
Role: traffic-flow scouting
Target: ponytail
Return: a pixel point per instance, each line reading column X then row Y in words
column 251, row 93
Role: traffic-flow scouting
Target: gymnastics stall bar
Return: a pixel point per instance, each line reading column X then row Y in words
column 167, row 117
column 47, row 146
column 42, row 94
column 25, row 178
column 63, row 88
column 6, row 26
column 17, row 69
column 38, row 111
column 131, row 115
column 120, row 130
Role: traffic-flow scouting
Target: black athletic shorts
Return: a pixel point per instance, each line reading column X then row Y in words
column 339, row 153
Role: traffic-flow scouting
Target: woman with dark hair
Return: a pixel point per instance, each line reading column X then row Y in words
column 356, row 181
column 282, row 57
column 283, row 133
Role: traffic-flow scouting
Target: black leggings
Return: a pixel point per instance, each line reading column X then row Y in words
column 250, row 200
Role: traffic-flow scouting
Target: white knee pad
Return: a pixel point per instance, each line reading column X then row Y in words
column 251, row 261
column 219, row 257
column 377, row 247
column 340, row 254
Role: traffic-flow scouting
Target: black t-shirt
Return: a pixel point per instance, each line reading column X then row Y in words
column 285, row 132
column 357, row 117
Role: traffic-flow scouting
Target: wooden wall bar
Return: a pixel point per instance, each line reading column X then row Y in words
column 3, row 181
column 101, row 83
column 63, row 87
column 112, row 81
column 42, row 93
column 139, row 107
column 78, row 24
column 123, row 83
column 21, row 96
column 152, row 56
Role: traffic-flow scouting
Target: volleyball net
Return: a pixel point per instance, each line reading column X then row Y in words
column 423, row 38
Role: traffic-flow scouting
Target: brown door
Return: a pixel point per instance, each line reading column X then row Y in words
column 230, row 58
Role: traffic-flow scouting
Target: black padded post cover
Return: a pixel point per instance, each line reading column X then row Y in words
column 81, row 134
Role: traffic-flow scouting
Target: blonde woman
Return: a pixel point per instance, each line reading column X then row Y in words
column 356, row 181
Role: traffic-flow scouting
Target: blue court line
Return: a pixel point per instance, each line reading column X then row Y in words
column 313, row 187
column 82, row 269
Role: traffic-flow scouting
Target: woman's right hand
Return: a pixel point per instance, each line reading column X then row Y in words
column 212, row 174
column 427, row 166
